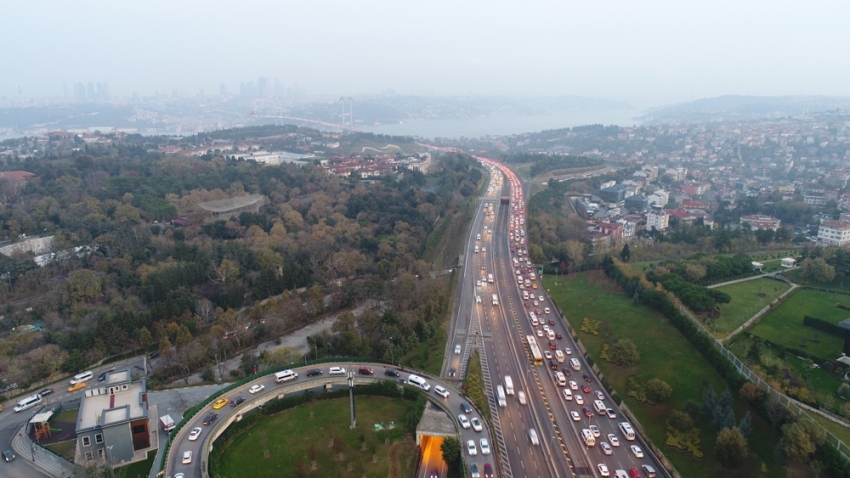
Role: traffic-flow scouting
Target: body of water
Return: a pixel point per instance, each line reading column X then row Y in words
column 504, row 125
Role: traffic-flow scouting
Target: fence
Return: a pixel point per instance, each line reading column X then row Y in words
column 798, row 409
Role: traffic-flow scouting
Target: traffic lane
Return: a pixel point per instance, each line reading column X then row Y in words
column 181, row 442
column 432, row 458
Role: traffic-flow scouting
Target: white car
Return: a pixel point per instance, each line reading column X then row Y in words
column 478, row 283
column 568, row 351
column 470, row 448
column 536, row 303
column 613, row 439
column 595, row 430
column 603, row 470
column 539, row 333
column 546, row 327
column 439, row 390
column 478, row 299
column 483, row 249
column 575, row 415
column 336, row 371
column 579, row 399
column 540, row 298
column 195, row 433
column 521, row 397
column 256, row 388
column 637, row 451
column 464, row 422
column 485, row 447
column 187, row 457
column 568, row 395
column 573, row 385
column 611, row 413
column 476, row 424
column 547, row 354
column 606, row 448
column 599, row 395
column 457, row 349
column 546, row 310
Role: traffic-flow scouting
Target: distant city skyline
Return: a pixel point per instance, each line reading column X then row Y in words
column 647, row 53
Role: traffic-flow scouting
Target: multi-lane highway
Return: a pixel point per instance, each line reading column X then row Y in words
column 503, row 327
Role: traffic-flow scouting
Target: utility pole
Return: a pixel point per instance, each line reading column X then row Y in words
column 351, row 395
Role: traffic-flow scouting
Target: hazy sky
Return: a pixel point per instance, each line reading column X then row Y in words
column 641, row 51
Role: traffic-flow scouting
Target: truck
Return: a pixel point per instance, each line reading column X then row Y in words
column 167, row 423
column 495, row 299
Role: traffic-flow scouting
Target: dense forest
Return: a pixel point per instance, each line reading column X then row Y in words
column 125, row 278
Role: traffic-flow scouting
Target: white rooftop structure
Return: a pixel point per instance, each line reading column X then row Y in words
column 116, row 400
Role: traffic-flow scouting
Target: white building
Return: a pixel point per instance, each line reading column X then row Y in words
column 834, row 233
column 657, row 219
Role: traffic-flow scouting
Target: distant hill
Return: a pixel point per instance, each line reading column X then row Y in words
column 733, row 107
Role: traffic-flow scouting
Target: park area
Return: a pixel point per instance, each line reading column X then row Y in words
column 748, row 297
column 664, row 354
column 784, row 325
column 291, row 442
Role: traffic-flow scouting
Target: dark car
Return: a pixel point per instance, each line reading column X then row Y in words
column 559, row 336
column 452, row 372
column 553, row 364
column 8, row 455
column 366, row 371
column 465, row 407
column 153, row 355
column 587, row 412
column 237, row 401
column 46, row 392
column 102, row 376
column 587, row 378
column 567, row 372
column 313, row 372
column 391, row 373
column 435, row 474
column 488, row 470
column 210, row 418
column 551, row 322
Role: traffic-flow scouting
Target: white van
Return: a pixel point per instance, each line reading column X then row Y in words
column 600, row 407
column 418, row 381
column 27, row 403
column 550, row 334
column 568, row 395
column 500, row 395
column 82, row 377
column 587, row 436
column 284, row 376
column 509, row 385
column 560, row 356
column 561, row 379
column 628, row 431
column 575, row 364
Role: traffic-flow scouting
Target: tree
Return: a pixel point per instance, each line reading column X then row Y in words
column 82, row 286
column 709, row 402
column 575, row 251
column 226, row 271
column 754, row 353
column 625, row 254
column 730, row 448
column 680, row 421
column 801, row 439
column 624, row 352
column 145, row 338
column 451, row 453
column 751, row 392
column 817, row 270
column 657, row 390
column 746, row 425
column 723, row 415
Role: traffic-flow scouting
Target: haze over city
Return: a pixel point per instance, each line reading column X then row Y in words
column 646, row 53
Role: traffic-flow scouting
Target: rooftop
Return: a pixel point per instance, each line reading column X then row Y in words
column 101, row 406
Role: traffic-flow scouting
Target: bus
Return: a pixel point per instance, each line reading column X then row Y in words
column 535, row 350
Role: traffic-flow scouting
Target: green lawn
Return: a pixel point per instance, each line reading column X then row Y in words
column 140, row 469
column 279, row 444
column 665, row 354
column 747, row 298
column 66, row 449
column 67, row 416
column 784, row 325
column 839, row 283
column 428, row 356
column 474, row 385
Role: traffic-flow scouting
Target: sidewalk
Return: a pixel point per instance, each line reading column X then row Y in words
column 47, row 462
column 751, row 278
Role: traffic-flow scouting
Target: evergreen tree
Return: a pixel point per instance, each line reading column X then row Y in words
column 625, row 254
column 709, row 402
column 746, row 425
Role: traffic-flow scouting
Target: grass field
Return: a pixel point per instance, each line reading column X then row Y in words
column 140, row 469
column 67, row 416
column 428, row 356
column 66, row 449
column 665, row 354
column 282, row 443
column 474, row 384
column 784, row 325
column 748, row 297
column 841, row 284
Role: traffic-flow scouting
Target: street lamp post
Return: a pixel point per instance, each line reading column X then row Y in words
column 351, row 395
column 392, row 358
column 108, row 454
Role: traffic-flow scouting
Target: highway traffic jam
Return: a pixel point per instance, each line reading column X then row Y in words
column 581, row 395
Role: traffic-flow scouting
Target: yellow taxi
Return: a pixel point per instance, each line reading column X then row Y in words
column 533, row 286
column 77, row 386
column 220, row 403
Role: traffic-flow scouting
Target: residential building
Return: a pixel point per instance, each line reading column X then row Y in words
column 814, row 198
column 613, row 194
column 114, row 423
column 758, row 221
column 834, row 233
column 657, row 219
column 636, row 203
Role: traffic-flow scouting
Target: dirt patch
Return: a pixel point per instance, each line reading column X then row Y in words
column 395, row 466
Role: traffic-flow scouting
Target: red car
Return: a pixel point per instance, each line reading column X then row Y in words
column 551, row 322
column 553, row 346
column 634, row 473
column 585, row 389
column 559, row 336
column 527, row 305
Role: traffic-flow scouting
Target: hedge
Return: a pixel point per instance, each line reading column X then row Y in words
column 824, row 326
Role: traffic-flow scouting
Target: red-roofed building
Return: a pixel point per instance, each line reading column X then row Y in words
column 614, row 231
column 834, row 233
column 693, row 204
column 758, row 221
